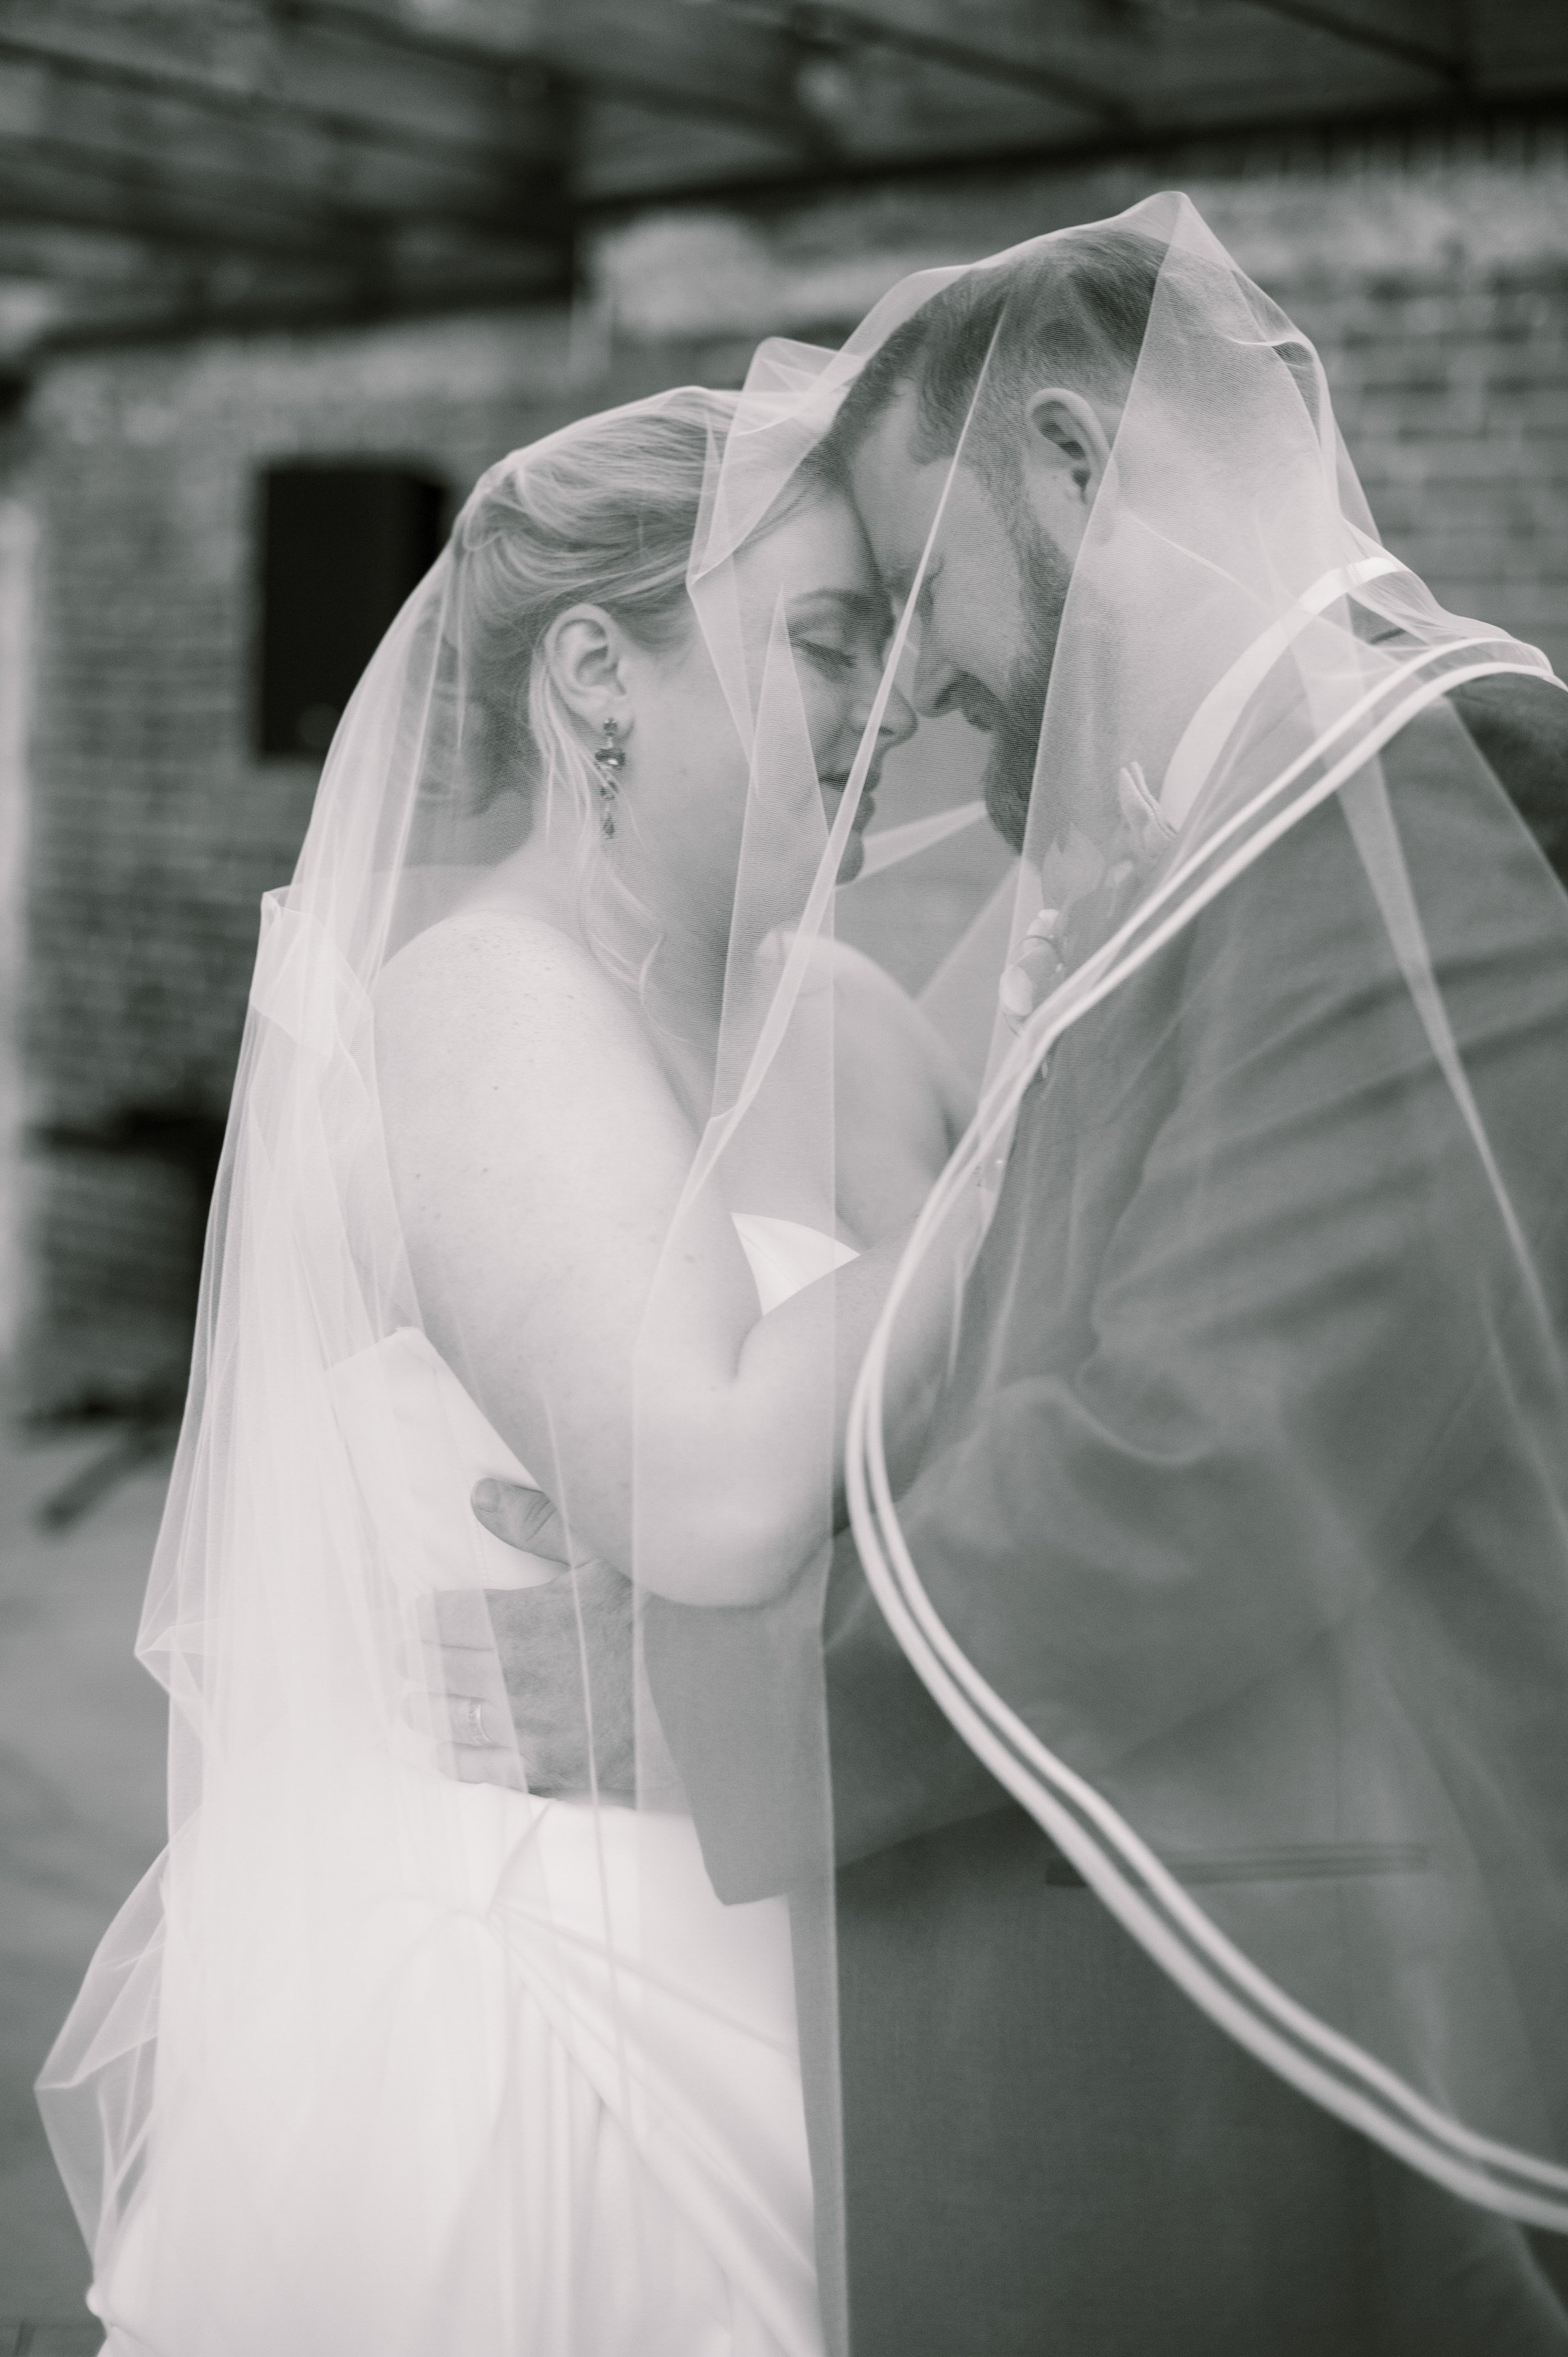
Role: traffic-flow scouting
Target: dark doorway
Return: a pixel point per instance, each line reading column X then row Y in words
column 341, row 547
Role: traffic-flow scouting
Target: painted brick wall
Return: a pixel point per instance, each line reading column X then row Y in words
column 1434, row 281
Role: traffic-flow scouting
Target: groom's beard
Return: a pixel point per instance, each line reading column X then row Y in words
column 1016, row 732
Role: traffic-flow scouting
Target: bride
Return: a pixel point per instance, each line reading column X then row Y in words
column 564, row 1138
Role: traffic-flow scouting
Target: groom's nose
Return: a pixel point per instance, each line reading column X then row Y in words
column 935, row 679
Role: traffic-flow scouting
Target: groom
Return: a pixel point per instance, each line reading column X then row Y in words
column 1048, row 2148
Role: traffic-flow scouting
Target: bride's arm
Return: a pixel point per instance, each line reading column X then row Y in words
column 539, row 1157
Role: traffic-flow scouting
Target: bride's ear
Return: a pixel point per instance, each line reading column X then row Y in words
column 585, row 650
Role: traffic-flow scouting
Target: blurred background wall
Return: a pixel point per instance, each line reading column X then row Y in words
column 159, row 811
column 162, row 457
column 278, row 278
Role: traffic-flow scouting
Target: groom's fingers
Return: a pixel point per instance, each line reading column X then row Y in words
column 456, row 1701
column 518, row 1683
column 479, row 1747
column 520, row 1518
column 455, row 1696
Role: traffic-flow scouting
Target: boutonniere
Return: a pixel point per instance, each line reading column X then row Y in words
column 1145, row 830
column 1061, row 939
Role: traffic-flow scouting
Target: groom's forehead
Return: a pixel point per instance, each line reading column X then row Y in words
column 885, row 457
column 894, row 488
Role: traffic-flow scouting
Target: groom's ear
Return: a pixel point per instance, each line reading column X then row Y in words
column 1066, row 454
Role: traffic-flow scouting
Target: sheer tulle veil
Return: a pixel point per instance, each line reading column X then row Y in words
column 1281, row 1668
column 293, row 2101
column 1315, row 1770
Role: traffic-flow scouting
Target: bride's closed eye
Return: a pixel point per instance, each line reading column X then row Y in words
column 835, row 631
column 829, row 640
column 837, row 662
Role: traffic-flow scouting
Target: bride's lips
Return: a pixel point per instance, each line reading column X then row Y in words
column 867, row 810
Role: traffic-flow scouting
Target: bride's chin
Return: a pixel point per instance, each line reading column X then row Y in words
column 853, row 861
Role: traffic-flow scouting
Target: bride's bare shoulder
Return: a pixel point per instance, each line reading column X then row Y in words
column 488, row 981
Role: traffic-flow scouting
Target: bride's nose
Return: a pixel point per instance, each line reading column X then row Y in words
column 898, row 724
column 899, row 721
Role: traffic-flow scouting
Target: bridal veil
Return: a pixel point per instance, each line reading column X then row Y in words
column 1238, row 1545
column 385, row 2051
column 1238, row 1551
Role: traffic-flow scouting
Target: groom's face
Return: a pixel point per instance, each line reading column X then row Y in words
column 990, row 600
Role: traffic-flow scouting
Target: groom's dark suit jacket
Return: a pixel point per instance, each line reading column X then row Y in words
column 1047, row 2146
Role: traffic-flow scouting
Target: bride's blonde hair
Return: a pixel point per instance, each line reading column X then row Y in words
column 603, row 514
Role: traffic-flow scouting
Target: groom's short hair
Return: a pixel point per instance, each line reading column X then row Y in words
column 1069, row 311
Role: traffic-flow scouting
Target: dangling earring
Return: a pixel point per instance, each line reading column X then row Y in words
column 610, row 758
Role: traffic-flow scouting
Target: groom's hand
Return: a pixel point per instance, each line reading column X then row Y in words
column 524, row 1519
column 566, row 1655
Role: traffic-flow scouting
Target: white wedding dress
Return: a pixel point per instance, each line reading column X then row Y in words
column 564, row 2118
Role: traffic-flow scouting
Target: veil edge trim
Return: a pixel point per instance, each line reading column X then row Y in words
column 1141, row 1891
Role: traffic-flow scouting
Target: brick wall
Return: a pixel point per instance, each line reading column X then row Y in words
column 155, row 830
column 18, row 533
column 1451, row 391
column 1435, row 280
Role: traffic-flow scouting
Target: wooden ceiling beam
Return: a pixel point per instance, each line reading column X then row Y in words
column 232, row 160
column 251, row 60
column 164, row 145
column 648, row 53
column 349, row 67
column 157, row 292
column 825, row 23
column 256, row 226
column 701, row 63
column 70, row 194
column 1359, row 31
column 45, row 248
column 178, row 306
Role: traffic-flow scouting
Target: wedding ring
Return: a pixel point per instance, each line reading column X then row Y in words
column 474, row 1709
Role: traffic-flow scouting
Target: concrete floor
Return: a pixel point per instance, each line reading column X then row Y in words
column 82, row 1817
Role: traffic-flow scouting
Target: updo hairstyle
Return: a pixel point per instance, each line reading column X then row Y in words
column 601, row 514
